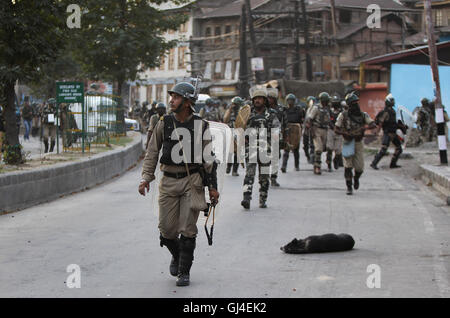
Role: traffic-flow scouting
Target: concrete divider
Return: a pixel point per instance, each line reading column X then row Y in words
column 22, row 189
column 438, row 176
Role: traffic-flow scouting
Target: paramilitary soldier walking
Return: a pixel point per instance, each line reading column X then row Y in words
column 295, row 117
column 334, row 141
column 387, row 119
column 279, row 111
column 318, row 122
column 181, row 180
column 424, row 120
column 229, row 118
column 210, row 112
column 260, row 118
column 351, row 124
column 48, row 117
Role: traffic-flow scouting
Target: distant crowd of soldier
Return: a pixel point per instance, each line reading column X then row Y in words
column 39, row 120
column 326, row 124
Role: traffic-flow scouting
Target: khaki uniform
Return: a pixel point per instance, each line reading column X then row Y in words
column 319, row 117
column 357, row 160
column 48, row 128
column 175, row 215
column 334, row 142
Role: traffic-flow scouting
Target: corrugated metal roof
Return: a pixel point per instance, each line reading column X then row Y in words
column 232, row 9
column 400, row 54
column 390, row 5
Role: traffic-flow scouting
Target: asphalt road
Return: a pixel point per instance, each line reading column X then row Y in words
column 111, row 233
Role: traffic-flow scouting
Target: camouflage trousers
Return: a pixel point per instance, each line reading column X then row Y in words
column 263, row 178
column 49, row 131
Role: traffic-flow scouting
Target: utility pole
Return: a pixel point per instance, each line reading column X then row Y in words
column 439, row 111
column 337, row 64
column 243, row 66
column 297, row 71
column 251, row 29
column 309, row 76
column 252, row 34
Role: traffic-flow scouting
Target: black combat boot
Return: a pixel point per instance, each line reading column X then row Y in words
column 349, row 187
column 395, row 159
column 336, row 162
column 229, row 165
column 273, row 181
column 187, row 247
column 45, row 146
column 285, row 160
column 377, row 158
column 174, row 249
column 262, row 204
column 52, row 145
column 348, row 180
column 356, row 180
column 246, row 201
column 235, row 169
column 297, row 160
column 341, row 160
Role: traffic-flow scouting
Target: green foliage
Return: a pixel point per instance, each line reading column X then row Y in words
column 63, row 68
column 31, row 34
column 123, row 37
column 13, row 154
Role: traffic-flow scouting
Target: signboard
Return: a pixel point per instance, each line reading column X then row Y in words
column 257, row 64
column 222, row 91
column 69, row 92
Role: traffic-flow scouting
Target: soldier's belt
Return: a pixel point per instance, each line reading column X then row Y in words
column 180, row 175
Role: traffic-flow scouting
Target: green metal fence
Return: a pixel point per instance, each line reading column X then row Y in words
column 98, row 120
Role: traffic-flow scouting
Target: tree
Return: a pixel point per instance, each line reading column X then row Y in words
column 31, row 34
column 121, row 38
column 63, row 68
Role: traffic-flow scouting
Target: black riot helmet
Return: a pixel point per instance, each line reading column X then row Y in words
column 185, row 90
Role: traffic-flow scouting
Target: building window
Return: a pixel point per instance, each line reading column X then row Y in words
column 217, row 33
column 182, row 57
column 172, row 59
column 345, row 16
column 236, row 69
column 228, row 33
column 218, row 67
column 438, row 20
column 208, row 70
column 228, row 72
column 208, row 35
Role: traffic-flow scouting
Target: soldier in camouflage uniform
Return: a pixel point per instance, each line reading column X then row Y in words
column 210, row 112
column 48, row 117
column 229, row 118
column 424, row 120
column 295, row 116
column 318, row 121
column 279, row 111
column 260, row 118
column 351, row 124
column 334, row 141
